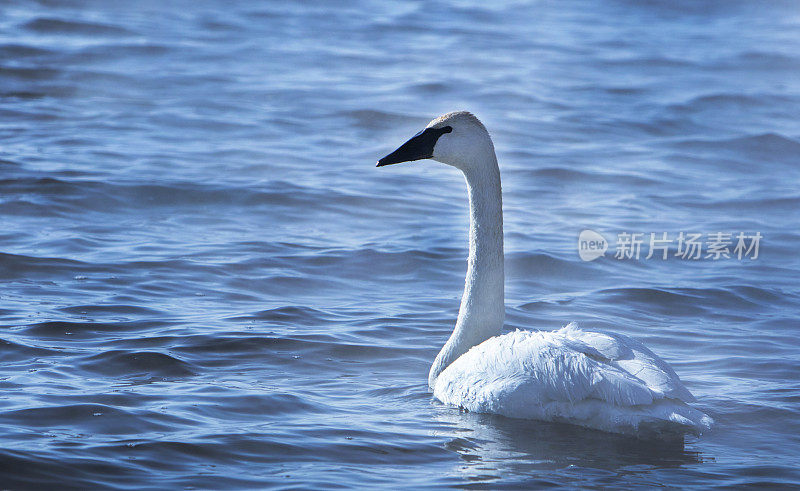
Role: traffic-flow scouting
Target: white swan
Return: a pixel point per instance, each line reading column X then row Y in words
column 604, row 381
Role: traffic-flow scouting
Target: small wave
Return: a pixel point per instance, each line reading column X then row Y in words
column 117, row 51
column 19, row 266
column 95, row 310
column 80, row 195
column 290, row 314
column 29, row 73
column 11, row 351
column 761, row 60
column 44, row 25
column 63, row 329
column 788, row 203
column 694, row 301
column 675, row 302
column 48, row 469
column 119, row 363
column 430, row 88
column 735, row 100
column 761, row 148
column 20, row 51
column 652, row 62
column 25, row 94
column 97, row 418
column 542, row 265
column 310, row 349
column 766, row 295
column 570, row 175
column 371, row 119
column 260, row 404
column 9, row 163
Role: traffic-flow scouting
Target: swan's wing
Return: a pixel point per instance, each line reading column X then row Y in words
column 569, row 365
column 632, row 357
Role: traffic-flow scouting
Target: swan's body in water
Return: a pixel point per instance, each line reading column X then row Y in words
column 604, row 381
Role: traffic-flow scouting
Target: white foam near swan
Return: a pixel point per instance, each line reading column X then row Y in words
column 598, row 380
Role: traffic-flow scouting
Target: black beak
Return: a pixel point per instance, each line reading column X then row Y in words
column 418, row 147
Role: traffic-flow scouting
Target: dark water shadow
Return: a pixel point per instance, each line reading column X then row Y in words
column 495, row 447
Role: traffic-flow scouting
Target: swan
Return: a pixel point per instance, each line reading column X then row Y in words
column 598, row 380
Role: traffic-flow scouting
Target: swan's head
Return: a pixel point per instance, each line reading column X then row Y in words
column 458, row 139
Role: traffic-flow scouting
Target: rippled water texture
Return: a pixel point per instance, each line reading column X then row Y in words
column 206, row 282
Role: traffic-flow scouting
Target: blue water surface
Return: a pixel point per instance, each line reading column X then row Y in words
column 205, row 282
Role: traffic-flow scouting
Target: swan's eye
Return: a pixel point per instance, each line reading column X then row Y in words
column 436, row 131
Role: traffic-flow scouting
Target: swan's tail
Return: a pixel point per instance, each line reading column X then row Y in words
column 680, row 420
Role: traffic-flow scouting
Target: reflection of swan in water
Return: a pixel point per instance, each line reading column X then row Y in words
column 524, row 455
column 603, row 381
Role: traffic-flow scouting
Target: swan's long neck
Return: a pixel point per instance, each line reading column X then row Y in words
column 482, row 306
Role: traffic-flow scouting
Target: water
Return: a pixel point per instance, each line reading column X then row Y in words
column 206, row 283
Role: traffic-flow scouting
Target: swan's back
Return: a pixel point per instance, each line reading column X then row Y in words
column 603, row 381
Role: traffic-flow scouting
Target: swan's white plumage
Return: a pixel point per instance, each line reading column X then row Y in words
column 604, row 381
